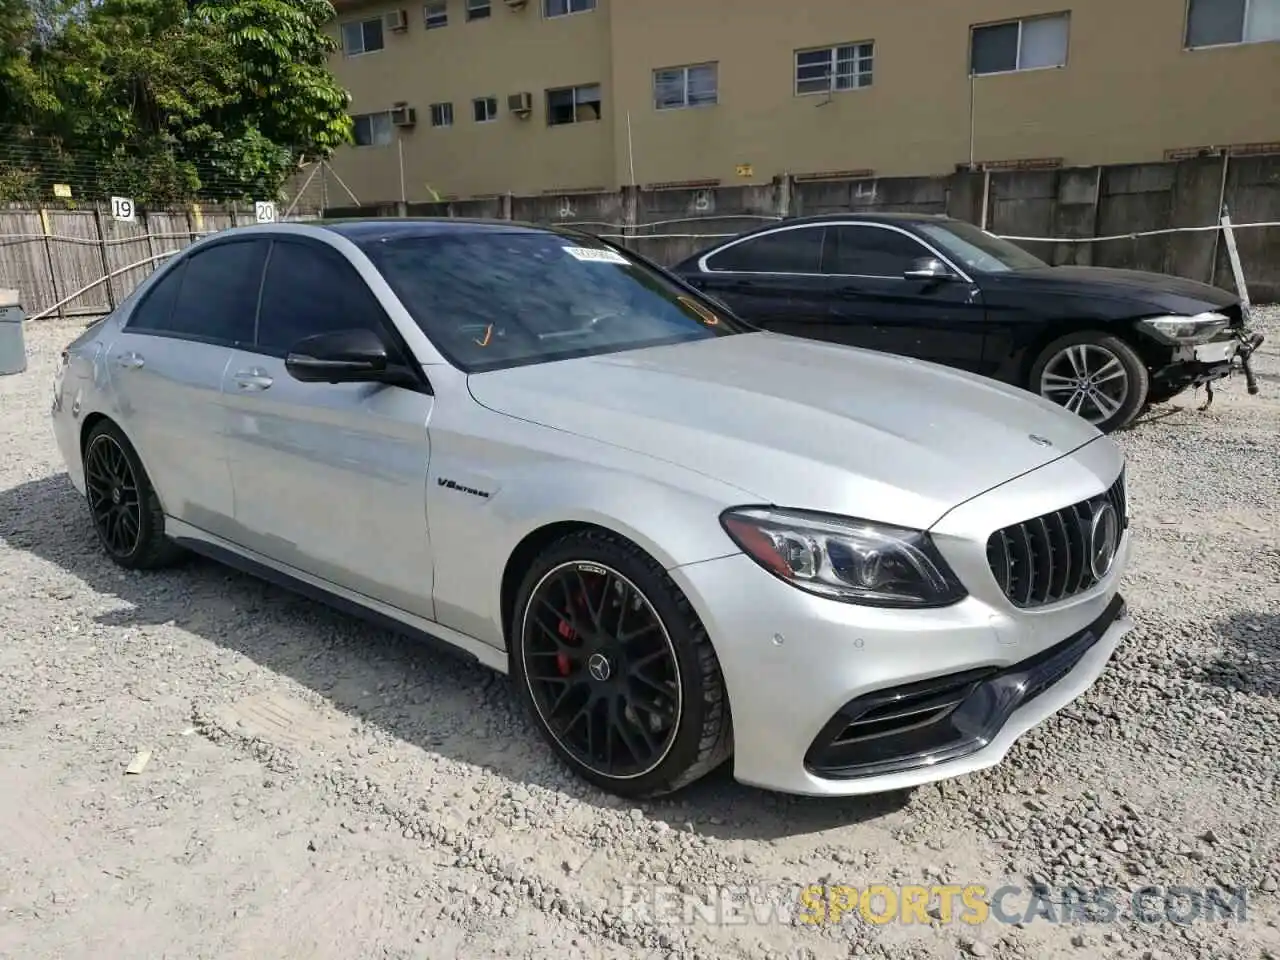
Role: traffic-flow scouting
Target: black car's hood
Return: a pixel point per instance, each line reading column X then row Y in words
column 1134, row 288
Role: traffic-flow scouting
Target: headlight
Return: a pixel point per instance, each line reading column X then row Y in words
column 844, row 558
column 1197, row 329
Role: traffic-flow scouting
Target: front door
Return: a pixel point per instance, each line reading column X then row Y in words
column 167, row 367
column 329, row 479
column 936, row 319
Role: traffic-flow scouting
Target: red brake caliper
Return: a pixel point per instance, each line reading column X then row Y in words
column 570, row 636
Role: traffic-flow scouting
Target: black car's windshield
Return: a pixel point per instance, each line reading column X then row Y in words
column 977, row 249
column 492, row 299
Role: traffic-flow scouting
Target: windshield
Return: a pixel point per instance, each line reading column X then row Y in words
column 977, row 249
column 489, row 300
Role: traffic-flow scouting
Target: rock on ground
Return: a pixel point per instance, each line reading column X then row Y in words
column 321, row 789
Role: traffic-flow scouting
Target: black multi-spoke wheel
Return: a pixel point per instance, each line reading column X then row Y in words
column 125, row 510
column 616, row 668
column 1099, row 378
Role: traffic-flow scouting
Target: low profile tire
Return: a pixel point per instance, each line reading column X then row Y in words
column 1097, row 377
column 616, row 669
column 123, row 505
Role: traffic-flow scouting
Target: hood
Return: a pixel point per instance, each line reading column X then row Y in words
column 1149, row 292
column 799, row 423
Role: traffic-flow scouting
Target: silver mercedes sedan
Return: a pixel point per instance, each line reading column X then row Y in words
column 686, row 540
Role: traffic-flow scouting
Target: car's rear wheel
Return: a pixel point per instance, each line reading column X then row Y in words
column 616, row 669
column 1097, row 377
column 126, row 512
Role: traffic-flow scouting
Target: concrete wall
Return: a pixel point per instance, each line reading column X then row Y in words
column 1064, row 204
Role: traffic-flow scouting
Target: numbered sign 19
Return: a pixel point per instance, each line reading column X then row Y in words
column 122, row 208
column 265, row 211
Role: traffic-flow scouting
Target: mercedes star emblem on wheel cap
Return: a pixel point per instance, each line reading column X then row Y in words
column 598, row 666
column 1104, row 538
column 1042, row 441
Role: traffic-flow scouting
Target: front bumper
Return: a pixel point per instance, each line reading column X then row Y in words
column 793, row 663
column 1194, row 366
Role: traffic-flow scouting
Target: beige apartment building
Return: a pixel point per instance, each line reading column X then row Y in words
column 464, row 98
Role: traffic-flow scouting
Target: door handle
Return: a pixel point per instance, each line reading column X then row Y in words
column 252, row 380
column 130, row 360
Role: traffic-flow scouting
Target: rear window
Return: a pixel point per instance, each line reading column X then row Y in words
column 493, row 300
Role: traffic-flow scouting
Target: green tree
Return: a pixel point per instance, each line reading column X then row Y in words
column 165, row 100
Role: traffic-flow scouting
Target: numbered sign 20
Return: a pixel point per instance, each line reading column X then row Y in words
column 122, row 208
column 265, row 211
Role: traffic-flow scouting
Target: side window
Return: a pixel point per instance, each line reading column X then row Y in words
column 156, row 308
column 216, row 295
column 785, row 251
column 871, row 252
column 309, row 290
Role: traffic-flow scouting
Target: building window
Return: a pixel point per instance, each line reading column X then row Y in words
column 573, row 105
column 675, row 87
column 373, row 129
column 559, row 8
column 435, row 14
column 362, row 36
column 484, row 109
column 1031, row 44
column 847, row 67
column 1212, row 23
column 442, row 114
column 478, row 10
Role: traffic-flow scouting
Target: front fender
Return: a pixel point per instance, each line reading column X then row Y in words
column 670, row 512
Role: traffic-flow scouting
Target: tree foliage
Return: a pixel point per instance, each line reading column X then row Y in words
column 164, row 100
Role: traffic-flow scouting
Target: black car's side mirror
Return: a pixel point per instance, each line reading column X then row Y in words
column 928, row 268
column 342, row 356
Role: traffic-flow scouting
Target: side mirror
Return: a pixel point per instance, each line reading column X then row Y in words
column 343, row 356
column 928, row 268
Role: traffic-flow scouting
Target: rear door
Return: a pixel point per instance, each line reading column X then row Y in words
column 937, row 319
column 329, row 479
column 775, row 280
column 166, row 369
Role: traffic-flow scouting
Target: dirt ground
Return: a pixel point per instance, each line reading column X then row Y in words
column 318, row 789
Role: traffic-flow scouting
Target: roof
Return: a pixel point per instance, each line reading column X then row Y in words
column 364, row 229
column 883, row 216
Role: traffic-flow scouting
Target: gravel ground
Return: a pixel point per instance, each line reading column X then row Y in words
column 319, row 789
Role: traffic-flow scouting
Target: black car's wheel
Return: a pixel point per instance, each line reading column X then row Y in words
column 125, row 509
column 616, row 669
column 1097, row 377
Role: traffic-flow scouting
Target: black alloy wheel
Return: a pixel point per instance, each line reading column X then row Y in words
column 113, row 495
column 602, row 670
column 616, row 669
column 126, row 512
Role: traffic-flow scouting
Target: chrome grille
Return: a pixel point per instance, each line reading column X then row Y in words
column 1046, row 559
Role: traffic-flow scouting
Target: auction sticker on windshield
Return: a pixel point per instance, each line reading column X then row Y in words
column 588, row 254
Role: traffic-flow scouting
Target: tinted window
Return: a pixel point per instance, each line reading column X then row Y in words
column 309, row 290
column 871, row 252
column 217, row 296
column 786, row 251
column 977, row 249
column 156, row 308
column 495, row 299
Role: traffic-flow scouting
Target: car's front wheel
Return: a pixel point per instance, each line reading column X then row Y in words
column 616, row 669
column 126, row 512
column 1095, row 376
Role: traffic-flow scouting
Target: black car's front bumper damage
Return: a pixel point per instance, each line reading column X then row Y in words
column 1185, row 369
column 944, row 718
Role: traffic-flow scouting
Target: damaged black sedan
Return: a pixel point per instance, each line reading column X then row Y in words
column 1104, row 343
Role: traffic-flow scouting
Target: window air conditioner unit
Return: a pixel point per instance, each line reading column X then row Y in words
column 397, row 20
column 403, row 115
column 521, row 104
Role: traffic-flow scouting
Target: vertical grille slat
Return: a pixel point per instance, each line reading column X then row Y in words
column 1046, row 559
